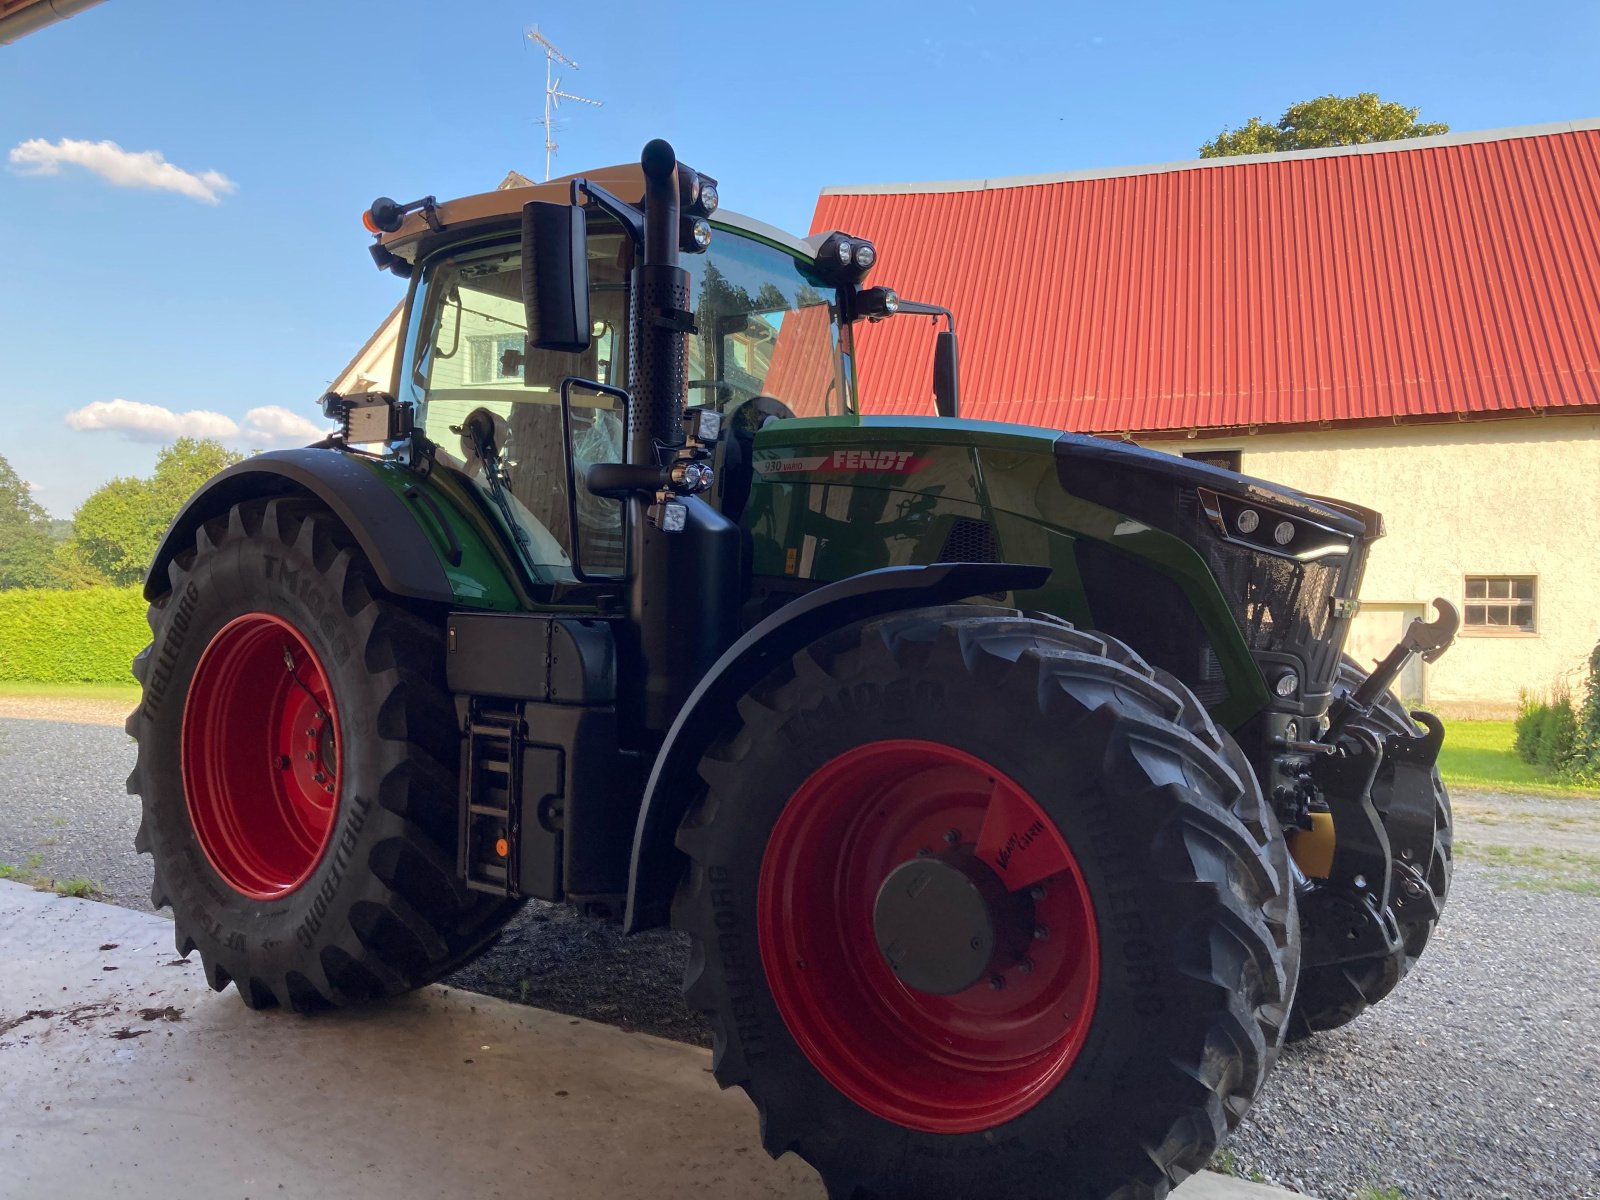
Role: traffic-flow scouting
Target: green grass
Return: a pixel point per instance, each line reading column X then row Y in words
column 1223, row 1162
column 1540, row 868
column 1381, row 1193
column 1478, row 754
column 29, row 874
column 78, row 691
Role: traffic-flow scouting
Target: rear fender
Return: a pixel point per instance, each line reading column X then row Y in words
column 657, row 862
column 420, row 545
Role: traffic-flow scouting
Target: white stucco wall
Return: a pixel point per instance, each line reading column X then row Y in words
column 1513, row 497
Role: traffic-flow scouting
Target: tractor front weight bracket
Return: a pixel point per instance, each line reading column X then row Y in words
column 1348, row 916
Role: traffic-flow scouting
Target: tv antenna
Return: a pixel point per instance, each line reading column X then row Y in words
column 553, row 95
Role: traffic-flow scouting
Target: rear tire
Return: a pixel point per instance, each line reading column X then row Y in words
column 1335, row 994
column 1171, row 881
column 297, row 766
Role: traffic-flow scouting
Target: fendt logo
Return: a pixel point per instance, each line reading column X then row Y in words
column 890, row 462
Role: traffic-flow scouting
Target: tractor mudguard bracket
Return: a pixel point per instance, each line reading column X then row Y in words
column 656, row 861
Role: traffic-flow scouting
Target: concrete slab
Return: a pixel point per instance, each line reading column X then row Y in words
column 123, row 1074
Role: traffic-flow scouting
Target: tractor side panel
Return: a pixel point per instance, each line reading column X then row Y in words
column 829, row 502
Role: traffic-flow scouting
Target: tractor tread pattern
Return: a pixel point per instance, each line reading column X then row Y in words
column 1219, row 840
column 414, row 925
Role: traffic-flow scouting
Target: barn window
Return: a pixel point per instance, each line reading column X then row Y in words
column 1502, row 603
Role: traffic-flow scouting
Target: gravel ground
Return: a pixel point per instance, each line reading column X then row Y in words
column 64, row 804
column 1479, row 1078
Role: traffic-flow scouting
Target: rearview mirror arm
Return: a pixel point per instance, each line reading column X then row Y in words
column 629, row 215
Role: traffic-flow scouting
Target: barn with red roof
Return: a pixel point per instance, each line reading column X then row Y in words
column 1412, row 325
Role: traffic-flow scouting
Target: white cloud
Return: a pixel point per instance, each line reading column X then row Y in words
column 124, row 168
column 142, row 422
column 269, row 425
column 272, row 424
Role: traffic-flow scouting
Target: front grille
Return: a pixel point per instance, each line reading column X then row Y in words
column 1281, row 605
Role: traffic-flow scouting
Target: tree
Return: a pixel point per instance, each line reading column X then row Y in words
column 26, row 550
column 1325, row 121
column 117, row 529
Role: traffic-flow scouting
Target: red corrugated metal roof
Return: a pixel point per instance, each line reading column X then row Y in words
column 1452, row 277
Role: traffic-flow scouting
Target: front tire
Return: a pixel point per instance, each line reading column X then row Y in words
column 1149, row 1011
column 297, row 770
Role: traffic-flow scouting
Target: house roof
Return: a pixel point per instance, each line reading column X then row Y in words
column 1452, row 277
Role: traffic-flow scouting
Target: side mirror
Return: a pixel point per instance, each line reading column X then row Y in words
column 946, row 376
column 555, row 276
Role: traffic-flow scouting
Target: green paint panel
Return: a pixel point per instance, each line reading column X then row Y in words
column 836, row 496
column 486, row 577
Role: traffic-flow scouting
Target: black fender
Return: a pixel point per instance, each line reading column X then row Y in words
column 399, row 551
column 656, row 862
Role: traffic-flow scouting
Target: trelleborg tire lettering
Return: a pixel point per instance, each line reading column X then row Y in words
column 382, row 909
column 1183, row 867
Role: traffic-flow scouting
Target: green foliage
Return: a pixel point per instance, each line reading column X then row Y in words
column 27, row 554
column 1325, row 121
column 1585, row 765
column 29, row 873
column 87, row 636
column 118, row 528
column 1546, row 732
column 1563, row 738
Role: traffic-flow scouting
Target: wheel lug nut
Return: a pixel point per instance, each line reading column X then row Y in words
column 1025, row 967
column 1041, row 933
column 311, row 733
column 976, row 943
column 320, row 777
column 924, row 852
column 283, row 762
column 1037, row 892
column 996, row 982
column 310, row 757
column 952, row 837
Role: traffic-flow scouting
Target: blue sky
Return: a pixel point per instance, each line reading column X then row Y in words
column 243, row 295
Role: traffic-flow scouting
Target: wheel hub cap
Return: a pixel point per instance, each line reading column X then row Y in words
column 884, row 868
column 261, row 756
column 943, row 924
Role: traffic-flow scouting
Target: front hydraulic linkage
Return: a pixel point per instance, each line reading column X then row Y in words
column 1384, row 819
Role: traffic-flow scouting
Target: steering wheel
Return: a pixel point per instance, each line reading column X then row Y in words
column 758, row 412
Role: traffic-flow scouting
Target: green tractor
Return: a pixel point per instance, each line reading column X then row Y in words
column 1009, row 784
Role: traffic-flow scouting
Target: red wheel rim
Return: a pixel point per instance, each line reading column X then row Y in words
column 261, row 756
column 945, row 1064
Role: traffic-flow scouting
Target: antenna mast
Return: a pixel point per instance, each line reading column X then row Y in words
column 553, row 95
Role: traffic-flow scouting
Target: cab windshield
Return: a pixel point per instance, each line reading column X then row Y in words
column 764, row 327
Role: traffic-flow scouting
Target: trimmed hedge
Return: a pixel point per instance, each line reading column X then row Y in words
column 84, row 636
column 1562, row 737
column 1586, row 739
column 1546, row 732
